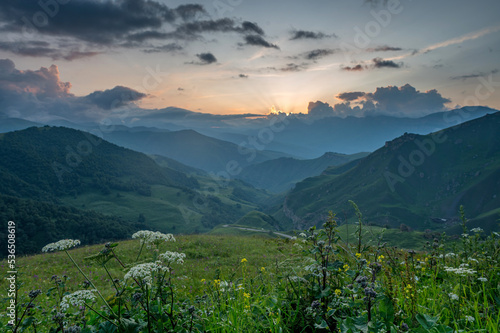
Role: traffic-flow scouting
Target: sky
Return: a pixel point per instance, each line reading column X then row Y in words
column 87, row 60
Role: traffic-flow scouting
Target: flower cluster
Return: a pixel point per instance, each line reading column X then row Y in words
column 61, row 245
column 462, row 270
column 144, row 272
column 152, row 237
column 77, row 299
column 172, row 257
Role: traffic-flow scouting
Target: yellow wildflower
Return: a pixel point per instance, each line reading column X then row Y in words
column 358, row 255
column 244, row 260
column 346, row 267
column 203, row 280
column 262, row 269
column 338, row 292
column 381, row 257
column 246, row 295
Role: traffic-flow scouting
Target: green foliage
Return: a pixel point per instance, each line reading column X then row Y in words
column 315, row 282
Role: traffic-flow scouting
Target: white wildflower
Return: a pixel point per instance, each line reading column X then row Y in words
column 477, row 230
column 78, row 299
column 61, row 245
column 151, row 238
column 453, row 296
column 144, row 272
column 473, row 260
column 172, row 257
column 302, row 235
column 293, row 238
column 465, row 235
column 462, row 270
column 470, row 319
column 482, row 279
column 451, row 254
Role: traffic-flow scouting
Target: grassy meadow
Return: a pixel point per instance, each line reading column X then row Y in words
column 250, row 283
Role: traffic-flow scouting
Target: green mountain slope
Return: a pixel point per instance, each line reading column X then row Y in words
column 281, row 174
column 191, row 148
column 72, row 170
column 415, row 180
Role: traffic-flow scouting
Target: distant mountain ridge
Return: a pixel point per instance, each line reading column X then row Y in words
column 281, row 174
column 417, row 180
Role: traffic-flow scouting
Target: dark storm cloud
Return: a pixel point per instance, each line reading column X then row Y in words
column 356, row 68
column 303, row 34
column 114, row 98
column 318, row 53
column 193, row 30
column 257, row 40
column 384, row 48
column 243, row 76
column 473, row 76
column 91, row 21
column 381, row 63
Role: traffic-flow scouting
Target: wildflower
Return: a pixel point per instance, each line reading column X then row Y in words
column 358, row 255
column 262, row 269
column 78, row 299
column 302, row 235
column 482, row 279
column 244, row 260
column 73, row 329
column 453, row 296
column 462, row 270
column 370, row 292
column 465, row 235
column 203, row 280
column 477, row 230
column 143, row 272
column 338, row 292
column 293, row 238
column 380, row 257
column 470, row 319
column 151, row 238
column 171, row 257
column 246, row 295
column 34, row 293
column 346, row 267
column 61, row 245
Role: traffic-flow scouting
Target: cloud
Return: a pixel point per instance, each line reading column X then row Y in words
column 243, row 76
column 319, row 109
column 114, row 98
column 206, row 58
column 350, row 96
column 391, row 100
column 381, row 63
column 168, row 48
column 303, row 34
column 318, row 53
column 356, row 68
column 383, row 48
column 473, row 76
column 44, row 49
column 190, row 11
column 41, row 95
column 252, row 28
column 257, row 40
column 96, row 22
